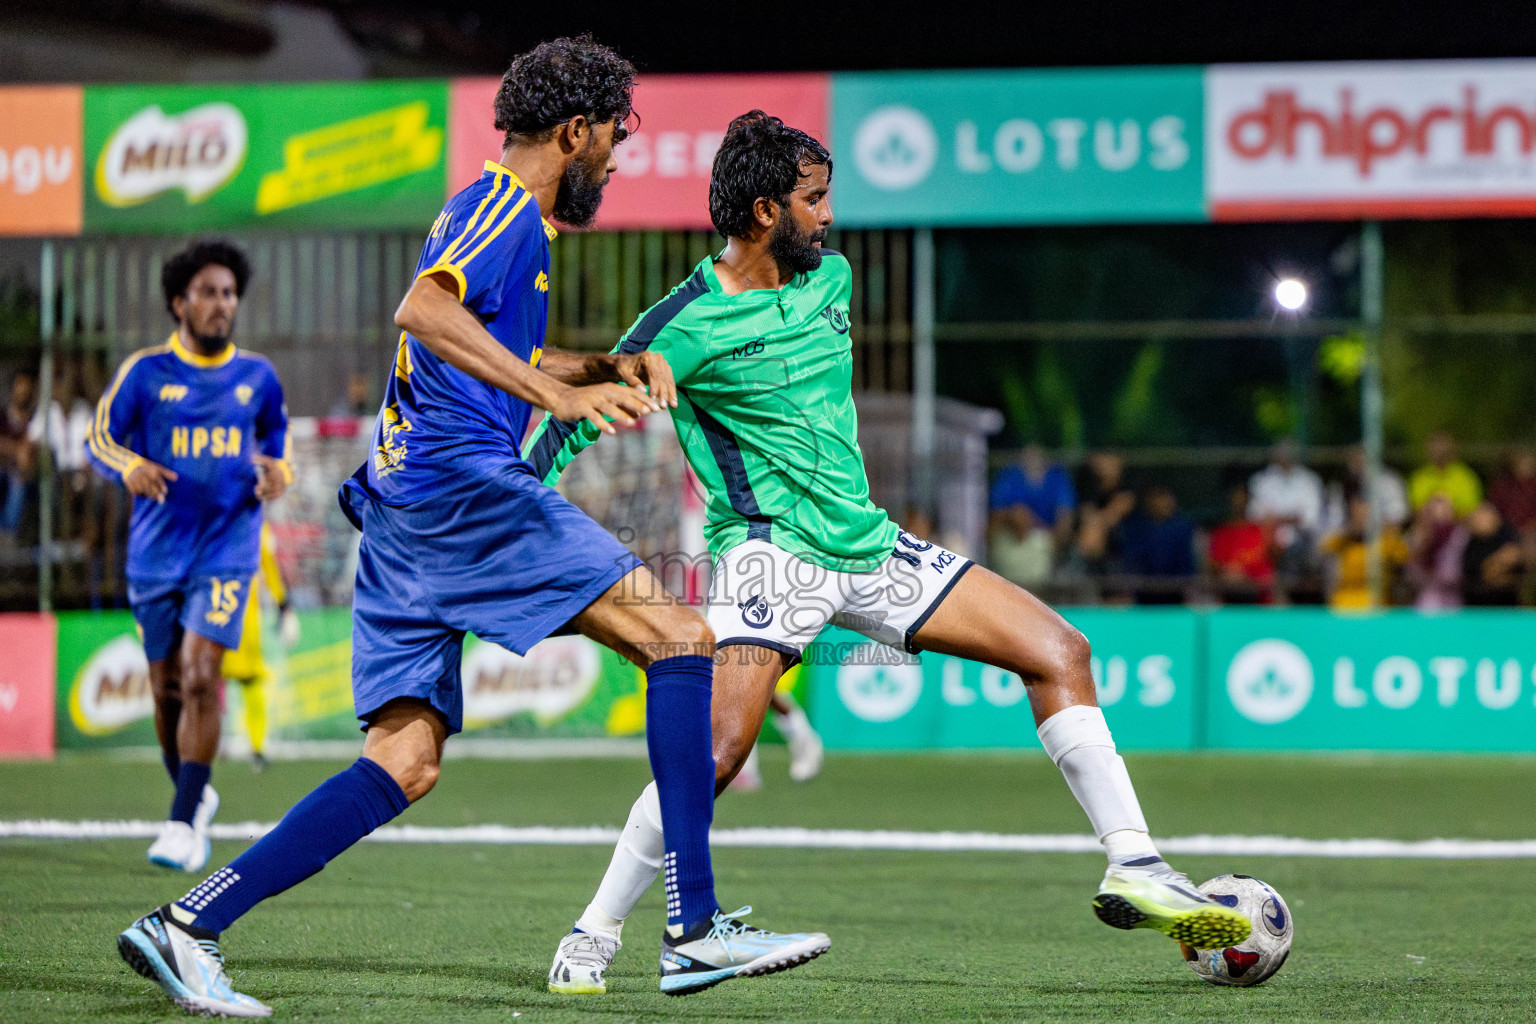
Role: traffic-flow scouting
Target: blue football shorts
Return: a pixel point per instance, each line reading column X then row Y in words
column 212, row 606
column 500, row 555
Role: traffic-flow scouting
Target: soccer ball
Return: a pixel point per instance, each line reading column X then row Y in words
column 1253, row 960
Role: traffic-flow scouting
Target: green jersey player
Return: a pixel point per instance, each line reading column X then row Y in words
column 757, row 338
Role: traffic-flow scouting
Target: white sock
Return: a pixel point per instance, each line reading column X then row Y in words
column 635, row 865
column 1078, row 740
column 749, row 767
column 793, row 723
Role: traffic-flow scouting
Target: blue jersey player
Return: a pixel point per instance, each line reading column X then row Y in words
column 460, row 535
column 197, row 431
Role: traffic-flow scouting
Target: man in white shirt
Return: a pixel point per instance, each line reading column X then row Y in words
column 1288, row 498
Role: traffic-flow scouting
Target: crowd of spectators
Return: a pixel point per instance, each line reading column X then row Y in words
column 1288, row 536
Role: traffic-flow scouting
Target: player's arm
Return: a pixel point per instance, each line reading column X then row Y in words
column 117, row 416
column 274, row 444
column 648, row 370
column 432, row 314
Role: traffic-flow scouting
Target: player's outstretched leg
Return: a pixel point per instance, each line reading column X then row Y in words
column 985, row 618
column 177, row 946
column 805, row 748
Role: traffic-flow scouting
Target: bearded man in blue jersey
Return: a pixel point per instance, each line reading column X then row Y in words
column 460, row 535
column 198, row 433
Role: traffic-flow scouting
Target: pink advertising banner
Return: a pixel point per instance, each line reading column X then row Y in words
column 663, row 175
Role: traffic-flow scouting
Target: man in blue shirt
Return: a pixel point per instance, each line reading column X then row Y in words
column 1040, row 487
column 197, row 431
column 460, row 535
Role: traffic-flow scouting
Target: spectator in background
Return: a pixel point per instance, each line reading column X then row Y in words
column 357, row 400
column 1514, row 492
column 1240, row 553
column 1019, row 548
column 1435, row 565
column 1351, row 588
column 1040, row 486
column 1103, row 503
column 1287, row 498
column 1159, row 543
column 1391, row 493
column 1445, row 474
column 18, row 455
column 1492, row 562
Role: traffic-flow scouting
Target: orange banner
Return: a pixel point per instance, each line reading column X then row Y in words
column 40, row 159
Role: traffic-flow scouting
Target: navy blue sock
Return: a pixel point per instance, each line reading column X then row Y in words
column 339, row 812
column 172, row 764
column 680, row 742
column 191, row 777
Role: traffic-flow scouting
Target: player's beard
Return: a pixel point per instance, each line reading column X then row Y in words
column 794, row 250
column 580, row 193
column 210, row 341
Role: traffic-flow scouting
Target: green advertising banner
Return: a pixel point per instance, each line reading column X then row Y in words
column 868, row 697
column 566, row 686
column 192, row 158
column 1018, row 147
column 1390, row 681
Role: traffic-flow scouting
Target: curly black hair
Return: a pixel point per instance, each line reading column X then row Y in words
column 759, row 158
column 557, row 80
column 181, row 268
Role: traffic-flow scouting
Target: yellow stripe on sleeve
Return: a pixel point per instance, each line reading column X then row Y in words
column 106, row 448
column 469, row 233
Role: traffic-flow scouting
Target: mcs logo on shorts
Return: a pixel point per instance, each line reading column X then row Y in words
column 755, row 612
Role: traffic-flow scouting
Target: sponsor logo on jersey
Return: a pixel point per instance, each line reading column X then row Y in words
column 198, row 151
column 541, row 282
column 755, row 612
column 838, row 318
column 173, row 392
column 243, row 394
column 754, row 347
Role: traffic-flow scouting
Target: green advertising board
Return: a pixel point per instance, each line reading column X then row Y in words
column 1390, row 681
column 1018, row 147
column 869, row 697
column 191, row 158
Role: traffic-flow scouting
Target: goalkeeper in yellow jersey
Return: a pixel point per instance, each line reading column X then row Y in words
column 245, row 665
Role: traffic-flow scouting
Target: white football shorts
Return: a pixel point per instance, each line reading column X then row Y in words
column 764, row 596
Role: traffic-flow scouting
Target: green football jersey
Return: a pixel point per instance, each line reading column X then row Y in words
column 765, row 414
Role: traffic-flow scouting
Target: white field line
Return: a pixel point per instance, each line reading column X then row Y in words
column 838, row 839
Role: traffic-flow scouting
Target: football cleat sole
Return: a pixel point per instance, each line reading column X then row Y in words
column 772, row 963
column 1212, row 927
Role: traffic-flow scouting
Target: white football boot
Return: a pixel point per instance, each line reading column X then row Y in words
column 180, row 847
column 189, row 969
column 805, row 755
column 580, row 962
column 1150, row 894
column 207, row 807
column 732, row 949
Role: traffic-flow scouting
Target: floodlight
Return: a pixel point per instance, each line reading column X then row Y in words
column 1290, row 294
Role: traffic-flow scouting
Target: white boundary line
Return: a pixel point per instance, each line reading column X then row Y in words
column 839, row 839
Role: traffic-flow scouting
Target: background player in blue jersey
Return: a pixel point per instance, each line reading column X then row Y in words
column 459, row 535
column 198, row 433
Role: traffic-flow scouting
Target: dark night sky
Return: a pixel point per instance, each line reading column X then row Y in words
column 864, row 35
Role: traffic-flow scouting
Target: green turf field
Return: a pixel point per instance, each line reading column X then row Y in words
column 464, row 933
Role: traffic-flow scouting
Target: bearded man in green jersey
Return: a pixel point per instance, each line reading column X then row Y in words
column 757, row 338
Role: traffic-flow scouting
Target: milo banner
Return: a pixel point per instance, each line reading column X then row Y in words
column 565, row 687
column 1018, row 147
column 1393, row 681
column 869, row 697
column 191, row 158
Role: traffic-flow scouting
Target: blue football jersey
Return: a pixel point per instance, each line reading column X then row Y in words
column 203, row 417
column 437, row 422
